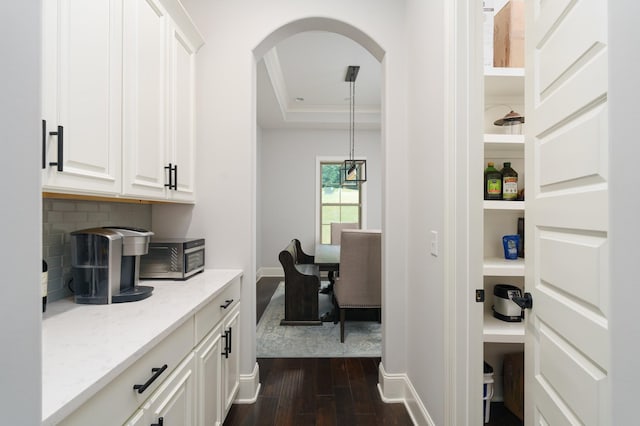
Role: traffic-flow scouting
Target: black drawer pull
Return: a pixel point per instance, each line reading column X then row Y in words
column 60, row 134
column 226, row 303
column 156, row 373
column 44, row 144
column 229, row 339
column 160, row 422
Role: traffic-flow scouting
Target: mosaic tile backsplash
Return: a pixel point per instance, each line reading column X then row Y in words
column 60, row 217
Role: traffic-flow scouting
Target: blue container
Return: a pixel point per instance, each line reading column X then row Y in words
column 510, row 243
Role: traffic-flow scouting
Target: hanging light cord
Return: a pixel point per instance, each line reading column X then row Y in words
column 353, row 119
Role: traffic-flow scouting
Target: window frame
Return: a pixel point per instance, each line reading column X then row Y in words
column 318, row 215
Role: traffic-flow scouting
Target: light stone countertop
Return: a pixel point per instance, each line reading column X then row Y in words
column 84, row 347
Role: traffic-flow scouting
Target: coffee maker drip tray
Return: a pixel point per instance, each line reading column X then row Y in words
column 132, row 294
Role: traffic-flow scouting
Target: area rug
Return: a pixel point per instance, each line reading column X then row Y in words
column 362, row 338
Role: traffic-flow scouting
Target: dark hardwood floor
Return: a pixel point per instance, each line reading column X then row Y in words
column 318, row 391
column 324, row 391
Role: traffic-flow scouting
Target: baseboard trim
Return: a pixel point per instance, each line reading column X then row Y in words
column 269, row 271
column 249, row 387
column 395, row 388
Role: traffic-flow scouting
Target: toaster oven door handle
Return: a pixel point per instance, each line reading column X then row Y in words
column 156, row 373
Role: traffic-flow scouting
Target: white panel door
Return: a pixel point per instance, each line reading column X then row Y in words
column 209, row 378
column 567, row 264
column 145, row 99
column 82, row 85
column 182, row 110
column 231, row 364
column 175, row 399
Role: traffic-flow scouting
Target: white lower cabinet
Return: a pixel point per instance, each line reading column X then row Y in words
column 230, row 362
column 174, row 403
column 218, row 370
column 191, row 377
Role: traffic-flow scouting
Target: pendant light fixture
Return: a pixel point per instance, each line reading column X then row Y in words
column 354, row 172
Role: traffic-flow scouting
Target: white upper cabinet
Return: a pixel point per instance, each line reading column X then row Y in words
column 182, row 109
column 81, row 101
column 119, row 77
column 159, row 108
column 145, row 98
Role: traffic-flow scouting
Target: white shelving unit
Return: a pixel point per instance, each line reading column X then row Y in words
column 498, row 331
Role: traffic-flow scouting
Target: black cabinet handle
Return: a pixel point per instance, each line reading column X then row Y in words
column 44, row 144
column 170, row 184
column 173, row 176
column 160, row 422
column 226, row 303
column 229, row 339
column 156, row 373
column 226, row 338
column 60, row 134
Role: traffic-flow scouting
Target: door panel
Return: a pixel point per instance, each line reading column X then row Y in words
column 567, row 264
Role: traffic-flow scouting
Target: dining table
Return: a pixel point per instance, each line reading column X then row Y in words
column 327, row 257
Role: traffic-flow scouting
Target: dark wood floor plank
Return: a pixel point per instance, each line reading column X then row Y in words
column 344, row 406
column 339, row 372
column 326, row 411
column 324, row 380
column 361, row 392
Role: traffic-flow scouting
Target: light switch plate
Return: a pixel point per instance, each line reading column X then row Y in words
column 434, row 243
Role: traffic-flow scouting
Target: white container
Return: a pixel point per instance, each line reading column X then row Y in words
column 487, row 390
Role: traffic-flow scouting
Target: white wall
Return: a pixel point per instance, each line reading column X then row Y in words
column 624, row 89
column 20, row 213
column 225, row 213
column 287, row 184
column 425, row 281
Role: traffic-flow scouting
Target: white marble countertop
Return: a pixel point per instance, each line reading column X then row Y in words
column 84, row 347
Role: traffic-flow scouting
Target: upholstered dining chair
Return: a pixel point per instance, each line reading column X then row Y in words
column 336, row 230
column 359, row 283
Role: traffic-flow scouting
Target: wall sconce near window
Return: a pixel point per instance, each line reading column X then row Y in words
column 353, row 172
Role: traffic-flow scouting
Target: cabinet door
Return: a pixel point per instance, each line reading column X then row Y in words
column 82, row 88
column 145, row 100
column 209, row 384
column 182, row 121
column 231, row 365
column 175, row 400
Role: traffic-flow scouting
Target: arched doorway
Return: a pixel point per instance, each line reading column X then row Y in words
column 287, row 128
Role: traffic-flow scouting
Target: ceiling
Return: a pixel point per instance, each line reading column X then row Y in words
column 301, row 83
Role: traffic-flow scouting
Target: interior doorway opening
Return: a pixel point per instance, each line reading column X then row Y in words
column 272, row 235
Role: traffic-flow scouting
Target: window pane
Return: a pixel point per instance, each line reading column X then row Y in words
column 330, row 214
column 331, row 175
column 350, row 196
column 330, row 195
column 350, row 214
column 325, row 238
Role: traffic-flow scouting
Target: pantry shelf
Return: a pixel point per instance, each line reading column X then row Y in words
column 498, row 331
column 500, row 267
column 503, row 205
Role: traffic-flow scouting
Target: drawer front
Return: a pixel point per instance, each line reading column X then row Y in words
column 212, row 313
column 118, row 400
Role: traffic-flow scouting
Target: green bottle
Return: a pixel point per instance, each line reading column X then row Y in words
column 492, row 183
column 509, row 183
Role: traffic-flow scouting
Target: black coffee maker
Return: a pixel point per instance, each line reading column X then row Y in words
column 105, row 264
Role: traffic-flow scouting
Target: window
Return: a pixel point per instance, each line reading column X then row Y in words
column 337, row 203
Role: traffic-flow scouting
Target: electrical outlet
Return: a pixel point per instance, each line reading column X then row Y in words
column 434, row 243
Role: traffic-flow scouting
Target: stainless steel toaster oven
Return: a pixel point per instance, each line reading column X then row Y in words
column 173, row 258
